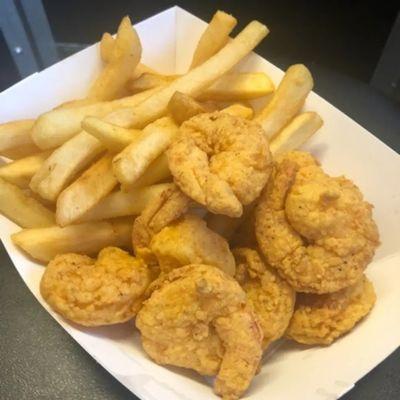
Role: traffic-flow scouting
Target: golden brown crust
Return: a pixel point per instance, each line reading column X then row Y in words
column 159, row 213
column 189, row 241
column 220, row 161
column 320, row 319
column 316, row 230
column 271, row 297
column 198, row 318
column 92, row 292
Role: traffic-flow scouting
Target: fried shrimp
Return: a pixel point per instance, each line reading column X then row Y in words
column 220, row 161
column 315, row 229
column 161, row 211
column 320, row 319
column 199, row 319
column 271, row 297
column 189, row 241
column 92, row 292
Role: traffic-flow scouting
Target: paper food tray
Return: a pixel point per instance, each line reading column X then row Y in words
column 343, row 147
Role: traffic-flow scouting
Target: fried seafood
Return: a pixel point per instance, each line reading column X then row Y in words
column 159, row 213
column 189, row 241
column 320, row 319
column 315, row 229
column 220, row 161
column 199, row 319
column 92, row 292
column 271, row 297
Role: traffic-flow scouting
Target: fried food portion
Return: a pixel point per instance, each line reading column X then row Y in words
column 159, row 213
column 320, row 319
column 315, row 229
column 271, row 297
column 199, row 319
column 92, row 292
column 220, row 161
column 189, row 241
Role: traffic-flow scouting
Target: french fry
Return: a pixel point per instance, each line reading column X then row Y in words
column 297, row 132
column 230, row 87
column 214, row 37
column 140, row 70
column 183, row 107
column 120, row 204
column 200, row 77
column 23, row 209
column 63, row 164
column 93, row 185
column 44, row 244
column 287, row 100
column 15, row 139
column 75, row 103
column 239, row 110
column 55, row 127
column 157, row 171
column 150, row 81
column 106, row 47
column 239, row 86
column 124, row 57
column 20, row 172
column 112, row 136
column 133, row 161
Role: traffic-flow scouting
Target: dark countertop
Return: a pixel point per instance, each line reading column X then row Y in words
column 39, row 360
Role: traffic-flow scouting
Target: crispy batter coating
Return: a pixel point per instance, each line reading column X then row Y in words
column 320, row 319
column 190, row 241
column 199, row 319
column 271, row 297
column 159, row 213
column 221, row 161
column 315, row 229
column 92, row 292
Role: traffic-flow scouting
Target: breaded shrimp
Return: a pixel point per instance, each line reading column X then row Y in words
column 189, row 241
column 199, row 319
column 271, row 297
column 92, row 292
column 320, row 319
column 315, row 229
column 159, row 213
column 220, row 161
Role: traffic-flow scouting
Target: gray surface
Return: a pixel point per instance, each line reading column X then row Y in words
column 38, row 359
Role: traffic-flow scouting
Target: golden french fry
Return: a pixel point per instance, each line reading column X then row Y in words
column 157, row 171
column 75, row 103
column 214, row 37
column 44, row 244
column 239, row 86
column 15, row 139
column 150, row 81
column 23, row 209
column 287, row 101
column 112, row 136
column 200, row 77
column 239, row 110
column 55, row 127
column 124, row 57
column 183, row 107
column 297, row 132
column 106, row 47
column 133, row 161
column 63, row 164
column 93, row 185
column 140, row 70
column 20, row 172
column 119, row 204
